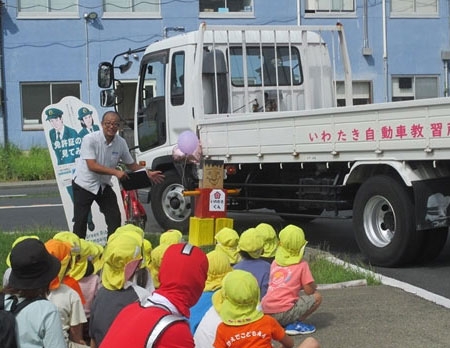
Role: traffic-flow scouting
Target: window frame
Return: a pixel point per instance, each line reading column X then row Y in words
column 26, row 124
column 74, row 13
column 132, row 13
column 247, row 12
column 311, row 9
column 413, row 94
column 362, row 92
column 177, row 74
column 236, row 58
column 414, row 13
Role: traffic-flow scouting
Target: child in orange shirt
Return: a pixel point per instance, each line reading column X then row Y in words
column 244, row 324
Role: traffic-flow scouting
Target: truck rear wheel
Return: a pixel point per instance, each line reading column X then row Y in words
column 384, row 223
column 170, row 208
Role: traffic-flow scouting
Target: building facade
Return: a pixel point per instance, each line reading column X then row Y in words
column 399, row 49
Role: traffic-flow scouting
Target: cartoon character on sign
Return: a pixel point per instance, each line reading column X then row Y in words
column 65, row 140
column 88, row 126
column 86, row 121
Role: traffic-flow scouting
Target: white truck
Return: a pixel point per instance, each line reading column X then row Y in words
column 262, row 100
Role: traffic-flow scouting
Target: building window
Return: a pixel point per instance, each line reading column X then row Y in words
column 131, row 6
column 362, row 92
column 226, row 6
column 37, row 96
column 414, row 87
column 415, row 7
column 329, row 6
column 46, row 7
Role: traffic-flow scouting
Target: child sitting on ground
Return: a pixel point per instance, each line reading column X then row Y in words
column 289, row 274
column 251, row 247
column 244, row 325
column 269, row 236
column 219, row 267
column 227, row 241
column 65, row 298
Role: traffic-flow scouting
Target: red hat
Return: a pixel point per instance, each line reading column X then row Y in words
column 182, row 275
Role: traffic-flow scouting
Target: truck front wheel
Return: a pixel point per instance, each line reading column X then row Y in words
column 170, row 208
column 384, row 223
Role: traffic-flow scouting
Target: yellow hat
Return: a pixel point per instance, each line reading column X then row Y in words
column 227, row 241
column 132, row 231
column 128, row 228
column 73, row 270
column 70, row 237
column 251, row 243
column 121, row 257
column 240, row 294
column 95, row 252
column 292, row 246
column 79, row 268
column 147, row 251
column 18, row 239
column 157, row 255
column 219, row 266
column 217, row 300
column 171, row 237
column 267, row 232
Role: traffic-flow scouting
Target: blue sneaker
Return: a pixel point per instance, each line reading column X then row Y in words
column 299, row 328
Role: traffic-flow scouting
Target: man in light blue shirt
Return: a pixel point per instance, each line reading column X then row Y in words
column 100, row 154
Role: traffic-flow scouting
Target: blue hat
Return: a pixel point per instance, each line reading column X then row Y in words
column 53, row 113
column 83, row 112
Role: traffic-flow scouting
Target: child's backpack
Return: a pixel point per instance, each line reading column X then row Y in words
column 8, row 320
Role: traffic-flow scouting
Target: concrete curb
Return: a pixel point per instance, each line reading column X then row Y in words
column 11, row 184
column 343, row 285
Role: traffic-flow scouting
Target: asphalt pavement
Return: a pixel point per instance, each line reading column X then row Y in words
column 379, row 316
column 394, row 314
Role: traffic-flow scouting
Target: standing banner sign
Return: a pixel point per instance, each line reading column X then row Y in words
column 65, row 125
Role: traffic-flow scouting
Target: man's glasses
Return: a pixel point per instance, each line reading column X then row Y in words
column 112, row 124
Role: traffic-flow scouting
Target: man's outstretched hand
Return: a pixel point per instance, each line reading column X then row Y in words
column 156, row 176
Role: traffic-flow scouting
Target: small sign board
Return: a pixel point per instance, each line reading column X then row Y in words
column 217, row 200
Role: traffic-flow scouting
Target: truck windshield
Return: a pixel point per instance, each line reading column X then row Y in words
column 151, row 101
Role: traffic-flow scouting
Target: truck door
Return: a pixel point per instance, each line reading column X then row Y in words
column 151, row 111
column 157, row 99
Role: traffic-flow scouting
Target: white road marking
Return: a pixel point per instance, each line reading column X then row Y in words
column 13, row 196
column 30, row 206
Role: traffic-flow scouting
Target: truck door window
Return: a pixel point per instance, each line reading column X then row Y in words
column 264, row 65
column 151, row 102
column 177, row 79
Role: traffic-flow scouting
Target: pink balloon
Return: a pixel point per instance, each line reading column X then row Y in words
column 187, row 142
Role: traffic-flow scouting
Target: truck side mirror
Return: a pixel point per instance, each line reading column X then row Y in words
column 107, row 98
column 105, row 75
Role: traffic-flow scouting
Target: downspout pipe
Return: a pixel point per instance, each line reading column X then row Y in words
column 2, row 80
column 385, row 55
